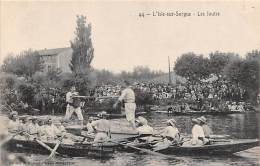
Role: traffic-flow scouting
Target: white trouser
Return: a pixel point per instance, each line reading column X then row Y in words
column 130, row 111
column 70, row 110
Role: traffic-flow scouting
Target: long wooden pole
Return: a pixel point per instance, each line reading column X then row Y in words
column 169, row 64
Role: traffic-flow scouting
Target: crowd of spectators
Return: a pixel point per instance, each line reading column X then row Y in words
column 215, row 94
column 205, row 93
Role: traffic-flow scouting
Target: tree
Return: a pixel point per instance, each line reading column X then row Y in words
column 24, row 64
column 233, row 71
column 253, row 55
column 192, row 66
column 246, row 73
column 82, row 47
column 218, row 61
column 82, row 55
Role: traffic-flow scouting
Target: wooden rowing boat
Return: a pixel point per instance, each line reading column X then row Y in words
column 215, row 148
column 164, row 110
column 73, row 150
column 115, row 115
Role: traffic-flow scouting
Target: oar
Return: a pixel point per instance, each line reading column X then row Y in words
column 219, row 140
column 55, row 148
column 44, row 145
column 143, row 150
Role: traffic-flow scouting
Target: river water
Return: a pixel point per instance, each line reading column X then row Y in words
column 236, row 125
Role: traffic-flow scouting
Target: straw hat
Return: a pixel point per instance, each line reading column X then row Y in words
column 202, row 119
column 196, row 121
column 141, row 120
column 172, row 122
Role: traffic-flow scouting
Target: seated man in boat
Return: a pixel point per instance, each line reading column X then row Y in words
column 102, row 127
column 198, row 136
column 206, row 129
column 89, row 126
column 170, row 135
column 32, row 127
column 50, row 130
column 171, row 132
column 41, row 130
column 143, row 127
column 13, row 124
column 67, row 138
column 60, row 129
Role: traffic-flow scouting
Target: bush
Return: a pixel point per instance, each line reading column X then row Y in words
column 27, row 92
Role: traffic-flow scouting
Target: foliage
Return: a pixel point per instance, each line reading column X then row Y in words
column 218, row 61
column 105, row 77
column 144, row 73
column 8, row 81
column 192, row 66
column 82, row 55
column 82, row 47
column 25, row 64
column 27, row 92
column 143, row 98
column 246, row 72
column 253, row 55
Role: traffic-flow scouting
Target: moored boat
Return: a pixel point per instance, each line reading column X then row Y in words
column 227, row 147
column 164, row 110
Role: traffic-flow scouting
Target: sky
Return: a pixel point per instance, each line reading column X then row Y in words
column 122, row 39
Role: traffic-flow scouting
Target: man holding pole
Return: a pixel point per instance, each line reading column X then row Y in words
column 73, row 105
column 128, row 96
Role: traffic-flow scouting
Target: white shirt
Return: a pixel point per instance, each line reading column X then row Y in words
column 101, row 125
column 145, row 129
column 13, row 125
column 170, row 131
column 42, row 130
column 32, row 129
column 69, row 98
column 197, row 131
column 51, row 131
column 90, row 128
column 127, row 95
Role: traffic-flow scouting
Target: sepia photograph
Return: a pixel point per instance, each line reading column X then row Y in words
column 130, row 83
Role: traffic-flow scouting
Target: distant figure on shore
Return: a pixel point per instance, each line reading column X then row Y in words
column 73, row 105
column 128, row 96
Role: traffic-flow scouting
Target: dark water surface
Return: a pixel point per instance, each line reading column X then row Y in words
column 236, row 125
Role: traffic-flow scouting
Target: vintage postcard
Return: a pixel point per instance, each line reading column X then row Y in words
column 130, row 82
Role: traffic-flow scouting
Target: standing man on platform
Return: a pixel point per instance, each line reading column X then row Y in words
column 128, row 96
column 73, row 105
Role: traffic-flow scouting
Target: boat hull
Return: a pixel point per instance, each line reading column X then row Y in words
column 219, row 148
column 78, row 150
